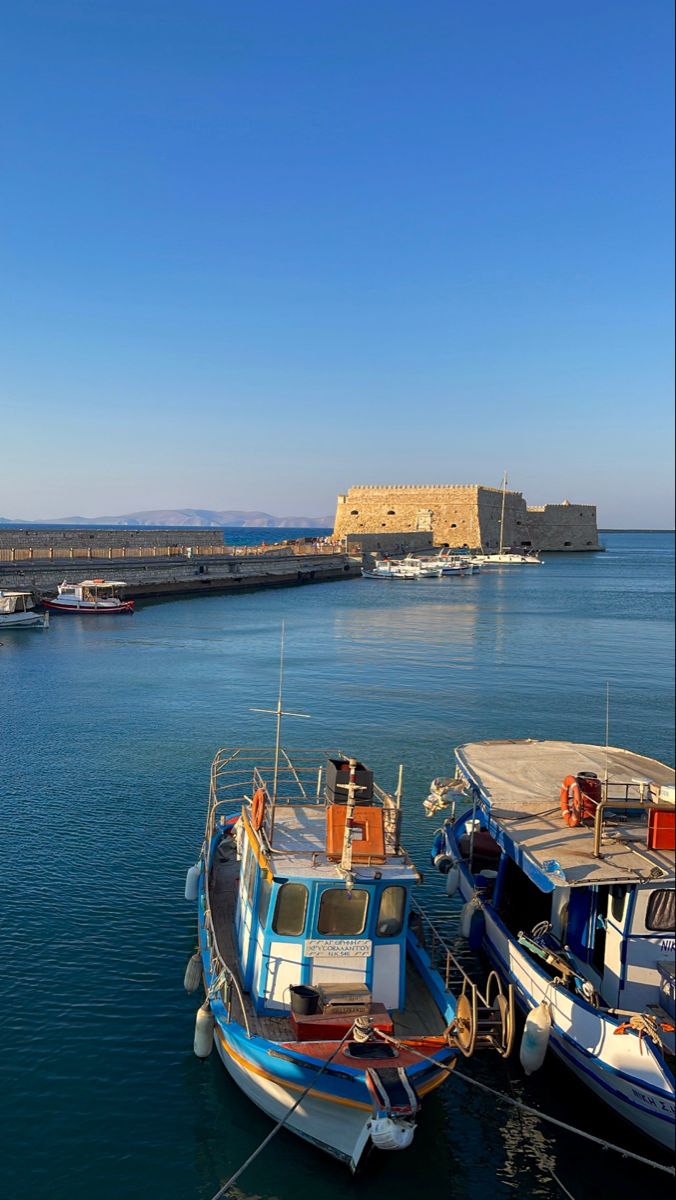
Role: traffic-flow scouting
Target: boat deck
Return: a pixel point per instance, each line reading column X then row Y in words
column 520, row 782
column 420, row 1018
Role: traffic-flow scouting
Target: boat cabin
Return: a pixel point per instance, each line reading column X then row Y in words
column 601, row 889
column 91, row 590
column 324, row 887
column 15, row 602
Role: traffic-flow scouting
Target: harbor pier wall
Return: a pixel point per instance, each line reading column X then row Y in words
column 152, row 570
column 150, row 578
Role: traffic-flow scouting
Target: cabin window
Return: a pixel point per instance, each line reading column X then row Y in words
column 264, row 901
column 290, row 909
column 342, row 913
column 391, row 912
column 661, row 913
column 618, row 896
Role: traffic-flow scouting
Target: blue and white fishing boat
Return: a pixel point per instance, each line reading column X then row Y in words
column 564, row 855
column 322, row 1001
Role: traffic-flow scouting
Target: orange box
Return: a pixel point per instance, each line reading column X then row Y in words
column 368, row 837
column 661, row 830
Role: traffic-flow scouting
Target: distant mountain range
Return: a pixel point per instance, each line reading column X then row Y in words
column 199, row 518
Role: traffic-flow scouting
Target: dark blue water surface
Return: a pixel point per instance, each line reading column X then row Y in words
column 108, row 731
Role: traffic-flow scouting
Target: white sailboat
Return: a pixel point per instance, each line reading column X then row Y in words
column 506, row 558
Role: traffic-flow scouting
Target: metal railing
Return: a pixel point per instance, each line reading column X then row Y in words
column 59, row 553
column 484, row 1018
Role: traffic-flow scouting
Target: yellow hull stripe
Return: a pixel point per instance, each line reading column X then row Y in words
column 296, row 1087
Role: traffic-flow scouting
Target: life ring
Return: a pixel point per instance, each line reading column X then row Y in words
column 571, row 801
column 581, row 795
column 258, row 808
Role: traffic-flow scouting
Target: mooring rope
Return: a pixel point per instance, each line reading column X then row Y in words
column 534, row 1112
column 266, row 1141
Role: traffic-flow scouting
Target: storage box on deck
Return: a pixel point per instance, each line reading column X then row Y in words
column 661, row 830
column 368, row 833
column 332, row 1026
column 352, row 998
column 667, row 972
column 337, row 777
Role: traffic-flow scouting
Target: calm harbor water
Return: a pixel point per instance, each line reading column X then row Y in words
column 108, row 730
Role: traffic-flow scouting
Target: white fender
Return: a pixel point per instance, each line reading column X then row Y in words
column 204, row 1031
column 452, row 880
column 535, row 1038
column 389, row 1134
column 193, row 973
column 192, row 882
column 467, row 915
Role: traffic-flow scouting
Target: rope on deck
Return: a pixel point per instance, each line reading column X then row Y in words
column 280, row 1124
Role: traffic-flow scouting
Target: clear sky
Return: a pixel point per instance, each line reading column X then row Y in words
column 254, row 252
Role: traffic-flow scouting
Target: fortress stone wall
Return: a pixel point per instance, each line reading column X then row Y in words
column 466, row 515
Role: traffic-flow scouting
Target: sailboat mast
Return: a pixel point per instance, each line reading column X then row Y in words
column 502, row 514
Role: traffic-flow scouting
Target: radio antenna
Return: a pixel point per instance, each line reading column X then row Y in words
column 605, row 778
column 278, row 712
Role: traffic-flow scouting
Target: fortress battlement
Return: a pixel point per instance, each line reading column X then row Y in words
column 458, row 514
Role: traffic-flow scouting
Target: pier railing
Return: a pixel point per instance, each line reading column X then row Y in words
column 14, row 554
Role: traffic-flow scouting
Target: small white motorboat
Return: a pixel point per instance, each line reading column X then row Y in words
column 404, row 568
column 17, row 611
column 508, row 558
column 91, row 596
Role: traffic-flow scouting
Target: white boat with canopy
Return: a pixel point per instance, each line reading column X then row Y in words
column 564, row 854
column 91, row 596
column 17, row 611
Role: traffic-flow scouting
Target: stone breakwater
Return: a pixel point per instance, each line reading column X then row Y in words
column 463, row 515
column 163, row 571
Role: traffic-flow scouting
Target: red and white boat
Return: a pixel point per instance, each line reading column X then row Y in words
column 91, row 596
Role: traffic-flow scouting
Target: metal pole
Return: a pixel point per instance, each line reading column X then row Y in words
column 400, row 785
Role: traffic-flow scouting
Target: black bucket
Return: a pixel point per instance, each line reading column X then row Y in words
column 304, row 1000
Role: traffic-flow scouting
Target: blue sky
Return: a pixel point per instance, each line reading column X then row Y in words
column 255, row 252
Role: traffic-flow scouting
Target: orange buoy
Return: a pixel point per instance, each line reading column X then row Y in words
column 258, row 808
column 580, row 795
column 571, row 801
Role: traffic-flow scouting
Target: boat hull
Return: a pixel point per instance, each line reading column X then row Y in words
column 27, row 620
column 337, row 1109
column 88, row 609
column 621, row 1071
column 341, row 1129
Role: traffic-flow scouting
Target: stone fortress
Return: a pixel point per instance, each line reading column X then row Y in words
column 407, row 516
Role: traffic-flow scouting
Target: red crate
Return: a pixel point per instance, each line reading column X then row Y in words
column 331, row 1027
column 661, row 830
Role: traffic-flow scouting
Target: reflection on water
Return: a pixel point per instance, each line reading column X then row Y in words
column 108, row 732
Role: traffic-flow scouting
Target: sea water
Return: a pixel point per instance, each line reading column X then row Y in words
column 108, row 730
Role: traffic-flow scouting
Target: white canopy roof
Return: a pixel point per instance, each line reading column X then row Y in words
column 99, row 583
column 521, row 783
